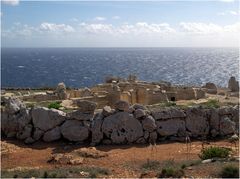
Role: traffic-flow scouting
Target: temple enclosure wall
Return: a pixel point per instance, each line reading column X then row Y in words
column 122, row 124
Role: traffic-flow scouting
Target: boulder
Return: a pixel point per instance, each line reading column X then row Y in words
column 141, row 140
column 152, row 137
column 122, row 105
column 107, row 111
column 138, row 106
column 74, row 131
column 29, row 140
column 139, row 113
column 214, row 120
column 170, row 127
column 167, row 113
column 96, row 128
column 86, row 106
column 81, row 116
column 13, row 105
column 46, row 119
column 196, row 122
column 38, row 133
column 52, row 135
column 233, row 84
column 149, row 124
column 122, row 127
column 25, row 133
column 227, row 126
column 61, row 91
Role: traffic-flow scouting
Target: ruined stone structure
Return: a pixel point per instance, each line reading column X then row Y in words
column 116, row 88
column 233, row 84
column 124, row 124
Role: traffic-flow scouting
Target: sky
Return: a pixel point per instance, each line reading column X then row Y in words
column 120, row 23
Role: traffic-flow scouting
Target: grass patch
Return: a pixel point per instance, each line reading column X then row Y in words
column 54, row 105
column 73, row 172
column 212, row 152
column 171, row 172
column 211, row 103
column 230, row 172
column 151, row 165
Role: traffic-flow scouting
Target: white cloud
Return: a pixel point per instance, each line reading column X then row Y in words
column 235, row 13
column 56, row 27
column 227, row 0
column 115, row 17
column 11, row 2
column 100, row 18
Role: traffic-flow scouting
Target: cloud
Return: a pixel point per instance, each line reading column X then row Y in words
column 56, row 27
column 227, row 0
column 115, row 17
column 98, row 18
column 11, row 2
column 235, row 13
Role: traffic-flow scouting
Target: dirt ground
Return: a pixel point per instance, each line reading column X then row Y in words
column 122, row 160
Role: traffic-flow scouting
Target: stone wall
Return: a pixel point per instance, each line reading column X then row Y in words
column 122, row 125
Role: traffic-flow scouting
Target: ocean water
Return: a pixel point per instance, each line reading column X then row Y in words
column 80, row 67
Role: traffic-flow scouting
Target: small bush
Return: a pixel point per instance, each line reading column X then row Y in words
column 230, row 172
column 212, row 152
column 171, row 172
column 54, row 105
column 151, row 165
column 212, row 103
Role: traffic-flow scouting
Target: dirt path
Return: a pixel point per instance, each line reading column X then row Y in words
column 123, row 161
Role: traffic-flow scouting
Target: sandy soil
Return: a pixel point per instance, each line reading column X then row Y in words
column 122, row 160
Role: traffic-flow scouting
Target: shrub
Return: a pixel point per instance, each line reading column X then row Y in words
column 230, row 172
column 54, row 105
column 212, row 103
column 151, row 165
column 212, row 152
column 171, row 172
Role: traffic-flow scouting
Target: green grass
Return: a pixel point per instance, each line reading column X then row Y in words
column 171, row 172
column 151, row 165
column 90, row 172
column 214, row 152
column 211, row 103
column 54, row 105
column 230, row 172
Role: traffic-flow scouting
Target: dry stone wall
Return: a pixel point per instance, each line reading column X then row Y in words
column 124, row 124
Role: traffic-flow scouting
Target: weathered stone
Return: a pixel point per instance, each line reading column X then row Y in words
column 25, row 133
column 52, row 135
column 196, row 122
column 13, row 105
column 139, row 113
column 107, row 111
column 97, row 134
column 139, row 106
column 227, row 126
column 86, row 106
column 61, row 91
column 38, row 133
column 149, row 124
column 122, row 127
column 29, row 140
column 107, row 141
column 153, row 137
column 46, row 119
column 214, row 119
column 122, row 105
column 78, row 115
column 233, row 84
column 74, row 131
column 170, row 127
column 141, row 140
column 146, row 135
column 167, row 113
column 211, row 88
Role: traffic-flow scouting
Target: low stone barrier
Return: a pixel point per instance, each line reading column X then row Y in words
column 124, row 124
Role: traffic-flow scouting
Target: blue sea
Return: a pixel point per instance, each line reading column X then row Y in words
column 80, row 67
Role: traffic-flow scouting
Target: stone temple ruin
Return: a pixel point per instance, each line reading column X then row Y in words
column 130, row 90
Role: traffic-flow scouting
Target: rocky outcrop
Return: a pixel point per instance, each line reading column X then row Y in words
column 61, row 91
column 122, row 125
column 233, row 84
